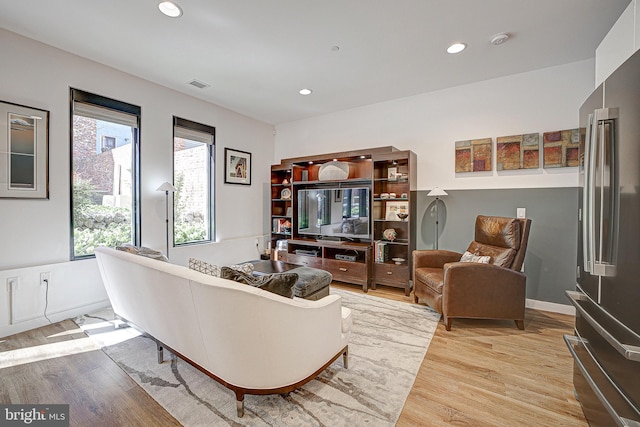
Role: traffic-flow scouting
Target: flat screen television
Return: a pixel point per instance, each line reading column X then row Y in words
column 334, row 213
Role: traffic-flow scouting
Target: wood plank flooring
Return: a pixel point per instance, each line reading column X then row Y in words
column 489, row 373
column 481, row 373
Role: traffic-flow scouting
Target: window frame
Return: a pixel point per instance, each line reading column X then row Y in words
column 77, row 95
column 211, row 130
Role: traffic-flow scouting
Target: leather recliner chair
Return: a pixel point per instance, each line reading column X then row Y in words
column 495, row 290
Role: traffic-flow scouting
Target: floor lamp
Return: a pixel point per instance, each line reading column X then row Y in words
column 167, row 187
column 437, row 192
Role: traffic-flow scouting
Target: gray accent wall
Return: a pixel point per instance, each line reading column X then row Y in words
column 550, row 262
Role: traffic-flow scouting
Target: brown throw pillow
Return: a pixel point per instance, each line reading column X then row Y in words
column 278, row 283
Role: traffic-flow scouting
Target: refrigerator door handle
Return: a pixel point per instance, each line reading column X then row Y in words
column 629, row 352
column 571, row 341
column 587, row 202
column 590, row 189
column 605, row 137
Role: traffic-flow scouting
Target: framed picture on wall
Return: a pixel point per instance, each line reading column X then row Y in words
column 24, row 152
column 237, row 167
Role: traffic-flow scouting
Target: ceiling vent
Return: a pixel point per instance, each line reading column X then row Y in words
column 199, row 84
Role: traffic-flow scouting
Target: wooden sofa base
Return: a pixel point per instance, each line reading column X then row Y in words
column 241, row 391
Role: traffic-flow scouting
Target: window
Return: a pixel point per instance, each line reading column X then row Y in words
column 193, row 168
column 105, row 154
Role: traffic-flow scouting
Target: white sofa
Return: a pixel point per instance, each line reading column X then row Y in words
column 249, row 340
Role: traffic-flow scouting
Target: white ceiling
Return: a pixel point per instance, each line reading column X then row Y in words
column 257, row 54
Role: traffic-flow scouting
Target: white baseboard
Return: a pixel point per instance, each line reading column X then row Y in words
column 40, row 321
column 550, row 306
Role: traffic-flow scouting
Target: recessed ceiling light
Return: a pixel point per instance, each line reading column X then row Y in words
column 306, row 91
column 170, row 9
column 456, row 48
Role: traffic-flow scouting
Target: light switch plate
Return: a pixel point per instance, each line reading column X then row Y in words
column 521, row 212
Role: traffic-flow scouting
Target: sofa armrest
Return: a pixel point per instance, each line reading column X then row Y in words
column 434, row 258
column 483, row 290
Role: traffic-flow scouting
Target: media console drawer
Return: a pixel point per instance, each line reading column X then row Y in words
column 307, row 261
column 346, row 271
column 391, row 274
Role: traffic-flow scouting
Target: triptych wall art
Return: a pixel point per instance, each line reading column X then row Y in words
column 559, row 149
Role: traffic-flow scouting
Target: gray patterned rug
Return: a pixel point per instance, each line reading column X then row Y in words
column 388, row 343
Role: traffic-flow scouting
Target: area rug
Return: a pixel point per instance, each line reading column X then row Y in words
column 388, row 343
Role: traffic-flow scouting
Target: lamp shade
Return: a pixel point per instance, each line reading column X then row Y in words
column 437, row 192
column 167, row 186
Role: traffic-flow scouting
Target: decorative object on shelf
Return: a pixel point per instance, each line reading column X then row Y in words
column 167, row 187
column 285, row 181
column 289, row 211
column 404, row 196
column 389, row 234
column 24, row 154
column 398, row 260
column 384, row 195
column 437, row 193
column 305, row 175
column 332, row 171
column 402, row 215
column 473, row 155
column 285, row 193
column 237, row 167
column 518, row 152
column 561, row 148
column 392, row 195
column 394, row 208
column 392, row 174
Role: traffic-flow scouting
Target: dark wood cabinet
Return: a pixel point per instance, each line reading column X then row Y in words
column 386, row 177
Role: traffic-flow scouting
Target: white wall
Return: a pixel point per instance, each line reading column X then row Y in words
column 430, row 123
column 35, row 233
column 619, row 44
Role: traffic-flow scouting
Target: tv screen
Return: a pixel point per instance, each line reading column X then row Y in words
column 334, row 212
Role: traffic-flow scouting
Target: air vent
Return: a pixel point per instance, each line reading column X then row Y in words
column 199, row 84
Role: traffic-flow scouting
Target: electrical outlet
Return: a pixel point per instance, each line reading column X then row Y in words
column 521, row 212
column 45, row 278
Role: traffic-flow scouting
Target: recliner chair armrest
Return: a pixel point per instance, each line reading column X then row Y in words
column 485, row 287
column 434, row 258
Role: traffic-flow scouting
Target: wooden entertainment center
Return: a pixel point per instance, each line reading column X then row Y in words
column 359, row 226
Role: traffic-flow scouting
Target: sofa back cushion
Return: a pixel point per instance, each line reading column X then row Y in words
column 214, row 270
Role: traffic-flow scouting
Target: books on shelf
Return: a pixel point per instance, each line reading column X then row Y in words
column 281, row 225
column 381, row 252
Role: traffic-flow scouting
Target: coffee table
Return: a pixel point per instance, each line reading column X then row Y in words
column 312, row 283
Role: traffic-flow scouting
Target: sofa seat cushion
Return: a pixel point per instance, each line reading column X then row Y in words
column 277, row 283
column 500, row 256
column 347, row 320
column 432, row 277
column 310, row 281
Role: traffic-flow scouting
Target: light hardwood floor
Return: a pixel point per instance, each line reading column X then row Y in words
column 481, row 373
column 489, row 373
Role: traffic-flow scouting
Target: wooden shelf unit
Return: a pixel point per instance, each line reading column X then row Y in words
column 367, row 168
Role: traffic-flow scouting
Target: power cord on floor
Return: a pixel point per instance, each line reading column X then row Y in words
column 46, row 299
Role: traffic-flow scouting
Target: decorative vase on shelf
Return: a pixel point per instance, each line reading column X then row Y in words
column 389, row 234
column 402, row 215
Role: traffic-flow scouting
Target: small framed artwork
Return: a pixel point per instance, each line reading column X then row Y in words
column 395, row 208
column 237, row 167
column 24, row 152
column 392, row 174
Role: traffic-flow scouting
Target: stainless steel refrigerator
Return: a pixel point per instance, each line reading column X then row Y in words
column 606, row 344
